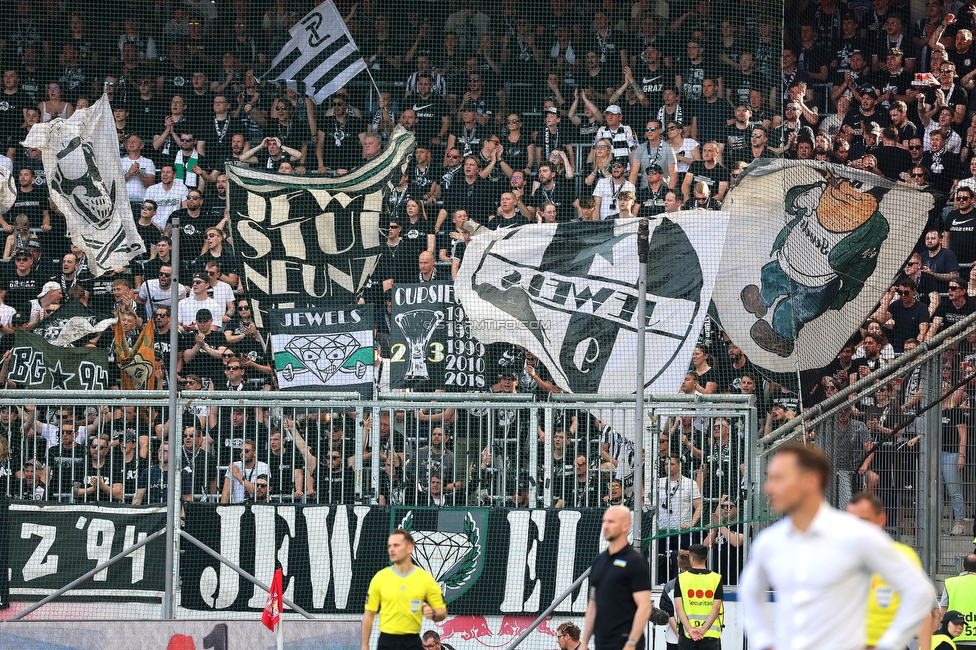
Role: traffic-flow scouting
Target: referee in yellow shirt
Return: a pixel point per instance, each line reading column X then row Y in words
column 402, row 593
column 882, row 599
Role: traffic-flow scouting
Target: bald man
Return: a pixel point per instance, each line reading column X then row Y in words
column 620, row 589
column 427, row 271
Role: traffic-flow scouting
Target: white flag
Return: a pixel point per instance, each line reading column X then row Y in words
column 568, row 293
column 801, row 273
column 81, row 160
column 321, row 54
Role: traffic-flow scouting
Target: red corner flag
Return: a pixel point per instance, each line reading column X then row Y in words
column 272, row 607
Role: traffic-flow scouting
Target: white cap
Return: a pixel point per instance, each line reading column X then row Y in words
column 48, row 287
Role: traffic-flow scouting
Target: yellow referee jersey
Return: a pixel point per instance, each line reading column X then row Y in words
column 883, row 600
column 400, row 599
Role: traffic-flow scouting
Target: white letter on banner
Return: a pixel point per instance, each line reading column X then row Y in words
column 319, row 562
column 101, row 533
column 40, row 564
column 566, row 567
column 230, row 549
column 522, row 556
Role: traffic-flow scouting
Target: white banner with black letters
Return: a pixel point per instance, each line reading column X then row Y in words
column 568, row 293
column 81, row 160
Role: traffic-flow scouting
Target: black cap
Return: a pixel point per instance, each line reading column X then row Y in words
column 954, row 616
column 204, row 314
column 654, row 169
column 621, row 161
column 34, row 243
column 200, row 276
column 506, row 374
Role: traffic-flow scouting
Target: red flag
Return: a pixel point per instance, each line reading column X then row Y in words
column 272, row 607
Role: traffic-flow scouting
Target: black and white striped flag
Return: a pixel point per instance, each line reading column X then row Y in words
column 321, row 54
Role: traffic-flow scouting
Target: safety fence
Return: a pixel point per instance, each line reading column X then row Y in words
column 534, row 539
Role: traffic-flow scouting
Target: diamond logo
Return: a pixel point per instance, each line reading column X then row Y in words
column 323, row 355
column 453, row 553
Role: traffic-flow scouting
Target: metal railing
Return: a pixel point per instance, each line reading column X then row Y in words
column 402, row 449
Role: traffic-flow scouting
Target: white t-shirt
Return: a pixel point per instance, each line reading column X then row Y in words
column 223, row 294
column 167, row 202
column 608, row 192
column 187, row 312
column 677, row 499
column 134, row 186
column 152, row 295
column 236, row 487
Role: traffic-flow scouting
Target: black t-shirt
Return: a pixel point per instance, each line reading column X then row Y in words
column 711, row 177
column 950, row 314
column 340, row 146
column 962, row 235
column 21, row 289
column 951, row 419
column 334, row 487
column 561, row 195
column 32, row 203
column 518, row 219
column 430, row 113
column 397, row 264
column 193, row 230
column 414, row 236
column 282, row 470
column 475, row 198
column 11, row 112
column 614, row 580
column 203, row 365
column 907, row 321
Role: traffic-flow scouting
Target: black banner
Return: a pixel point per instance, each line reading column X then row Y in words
column 37, row 364
column 310, row 238
column 431, row 345
column 51, row 545
column 489, row 561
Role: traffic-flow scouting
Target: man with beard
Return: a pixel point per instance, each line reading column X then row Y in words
column 550, row 189
column 69, row 275
column 158, row 291
column 939, row 264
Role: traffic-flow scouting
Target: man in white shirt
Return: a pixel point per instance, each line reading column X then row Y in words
column 680, row 510
column 241, row 476
column 169, row 195
column 819, row 562
column 158, row 291
column 222, row 292
column 607, row 190
column 189, row 306
column 139, row 172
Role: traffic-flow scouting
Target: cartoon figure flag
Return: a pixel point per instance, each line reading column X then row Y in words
column 799, row 277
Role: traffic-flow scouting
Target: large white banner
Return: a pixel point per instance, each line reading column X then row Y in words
column 81, row 160
column 812, row 247
column 568, row 293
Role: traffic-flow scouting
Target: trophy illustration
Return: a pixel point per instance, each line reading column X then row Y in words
column 418, row 328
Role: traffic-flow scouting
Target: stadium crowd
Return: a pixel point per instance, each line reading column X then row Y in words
column 570, row 110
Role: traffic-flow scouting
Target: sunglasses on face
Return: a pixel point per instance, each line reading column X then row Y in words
column 186, row 139
column 160, row 315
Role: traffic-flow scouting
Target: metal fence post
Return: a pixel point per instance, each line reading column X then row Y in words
column 930, row 502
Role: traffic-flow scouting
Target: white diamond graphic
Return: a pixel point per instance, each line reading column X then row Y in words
column 438, row 553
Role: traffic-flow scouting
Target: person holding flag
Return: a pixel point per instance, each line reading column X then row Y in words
column 404, row 592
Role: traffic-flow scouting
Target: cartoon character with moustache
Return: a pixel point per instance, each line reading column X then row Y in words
column 821, row 259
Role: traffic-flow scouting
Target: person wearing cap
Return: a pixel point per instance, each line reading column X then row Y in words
column 820, row 562
column 551, row 140
column 650, row 199
column 50, row 296
column 867, row 114
column 198, row 300
column 607, row 190
column 621, row 136
column 959, row 595
column 953, row 626
column 655, row 150
column 882, row 599
column 22, row 282
column 201, row 348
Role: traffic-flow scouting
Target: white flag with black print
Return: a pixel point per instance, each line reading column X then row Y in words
column 320, row 53
column 568, row 293
column 81, row 160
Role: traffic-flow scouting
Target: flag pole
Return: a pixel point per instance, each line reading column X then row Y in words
column 279, row 633
column 643, row 250
column 374, row 84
